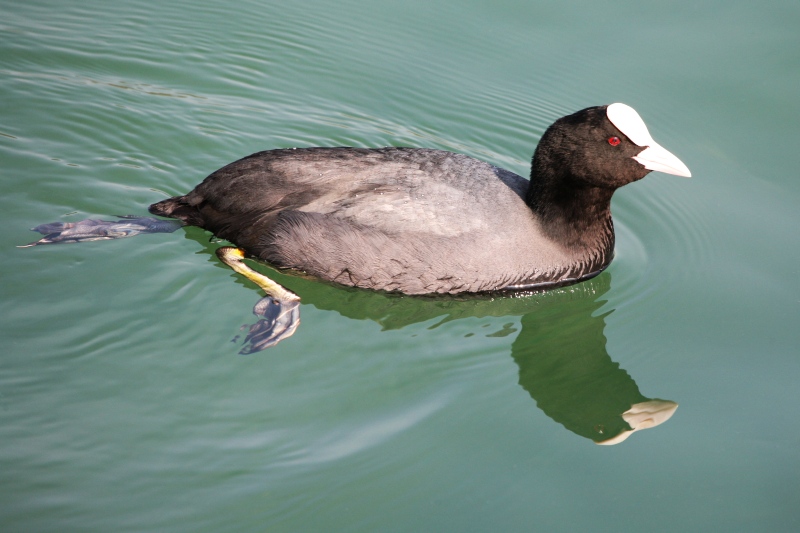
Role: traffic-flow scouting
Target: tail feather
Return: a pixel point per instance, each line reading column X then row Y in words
column 177, row 207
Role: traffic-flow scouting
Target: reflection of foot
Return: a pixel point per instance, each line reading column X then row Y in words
column 280, row 309
column 644, row 415
column 101, row 230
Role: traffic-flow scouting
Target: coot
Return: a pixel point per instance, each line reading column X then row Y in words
column 423, row 221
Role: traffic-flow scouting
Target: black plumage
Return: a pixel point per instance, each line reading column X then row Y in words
column 425, row 221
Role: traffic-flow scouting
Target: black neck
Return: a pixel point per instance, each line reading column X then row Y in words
column 571, row 212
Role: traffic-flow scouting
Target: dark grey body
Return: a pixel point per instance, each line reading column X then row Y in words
column 416, row 221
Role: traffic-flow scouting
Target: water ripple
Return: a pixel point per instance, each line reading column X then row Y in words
column 678, row 243
column 348, row 440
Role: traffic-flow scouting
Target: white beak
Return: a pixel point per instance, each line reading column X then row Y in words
column 653, row 157
column 643, row 415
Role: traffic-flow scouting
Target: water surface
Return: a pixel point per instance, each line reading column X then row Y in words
column 125, row 406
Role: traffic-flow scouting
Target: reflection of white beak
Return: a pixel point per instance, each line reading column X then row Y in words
column 654, row 157
column 643, row 415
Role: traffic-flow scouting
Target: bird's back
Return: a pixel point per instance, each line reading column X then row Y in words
column 406, row 219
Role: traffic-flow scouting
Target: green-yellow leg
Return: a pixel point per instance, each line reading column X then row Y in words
column 233, row 257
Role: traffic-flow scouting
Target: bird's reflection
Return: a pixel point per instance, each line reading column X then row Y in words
column 565, row 367
column 561, row 349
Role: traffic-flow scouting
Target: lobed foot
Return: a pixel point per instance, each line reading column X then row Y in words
column 279, row 321
column 280, row 309
column 101, row 230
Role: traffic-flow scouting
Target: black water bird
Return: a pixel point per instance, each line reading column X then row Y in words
column 422, row 221
column 412, row 220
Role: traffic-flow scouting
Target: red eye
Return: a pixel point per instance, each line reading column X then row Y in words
column 614, row 141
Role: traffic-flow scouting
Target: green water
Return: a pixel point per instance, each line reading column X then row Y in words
column 124, row 406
